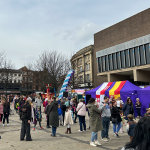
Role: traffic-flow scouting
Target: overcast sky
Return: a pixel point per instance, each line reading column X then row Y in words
column 28, row 27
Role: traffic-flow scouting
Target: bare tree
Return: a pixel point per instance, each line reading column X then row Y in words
column 53, row 68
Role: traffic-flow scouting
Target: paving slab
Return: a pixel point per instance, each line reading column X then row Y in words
column 42, row 139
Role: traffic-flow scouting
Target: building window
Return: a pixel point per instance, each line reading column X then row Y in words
column 103, row 63
column 80, row 69
column 147, row 53
column 87, row 58
column 127, row 58
column 123, row 65
column 79, row 61
column 107, row 63
column 114, row 61
column 110, row 62
column 132, row 57
column 118, row 60
column 87, row 67
column 81, row 79
column 137, row 56
column 87, row 78
column 100, row 64
column 142, row 55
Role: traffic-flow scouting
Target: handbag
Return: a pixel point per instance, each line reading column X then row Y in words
column 114, row 120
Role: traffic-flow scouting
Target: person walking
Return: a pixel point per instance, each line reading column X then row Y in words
column 25, row 115
column 60, row 115
column 116, row 118
column 128, row 108
column 37, row 117
column 81, row 109
column 1, row 110
column 95, row 121
column 6, row 112
column 106, row 114
column 45, row 105
column 119, row 103
column 63, row 108
column 141, row 139
column 38, row 101
column 130, row 126
column 68, row 120
column 52, row 111
column 74, row 106
column 138, row 107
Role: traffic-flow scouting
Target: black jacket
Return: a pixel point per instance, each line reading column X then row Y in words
column 115, row 113
column 52, row 112
column 25, row 112
column 63, row 107
column 6, row 108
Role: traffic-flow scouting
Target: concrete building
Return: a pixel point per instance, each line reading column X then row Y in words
column 82, row 63
column 122, row 51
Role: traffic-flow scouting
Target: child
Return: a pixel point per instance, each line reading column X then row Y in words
column 60, row 115
column 147, row 112
column 37, row 117
column 68, row 120
column 130, row 126
column 123, row 123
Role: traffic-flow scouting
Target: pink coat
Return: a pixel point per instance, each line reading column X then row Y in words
column 81, row 109
column 1, row 108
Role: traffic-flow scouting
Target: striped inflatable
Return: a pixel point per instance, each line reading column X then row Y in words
column 66, row 83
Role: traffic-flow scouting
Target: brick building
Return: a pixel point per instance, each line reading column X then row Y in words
column 122, row 51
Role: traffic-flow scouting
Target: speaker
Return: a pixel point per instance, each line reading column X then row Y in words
column 65, row 94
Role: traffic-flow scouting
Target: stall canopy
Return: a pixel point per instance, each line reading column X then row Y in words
column 92, row 92
column 117, row 89
column 144, row 96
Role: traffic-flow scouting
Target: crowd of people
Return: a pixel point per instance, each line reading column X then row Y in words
column 66, row 111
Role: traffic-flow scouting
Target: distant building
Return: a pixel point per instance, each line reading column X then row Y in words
column 82, row 62
column 27, row 80
column 21, row 81
column 10, row 81
column 122, row 51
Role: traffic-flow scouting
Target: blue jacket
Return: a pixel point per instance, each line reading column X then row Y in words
column 59, row 111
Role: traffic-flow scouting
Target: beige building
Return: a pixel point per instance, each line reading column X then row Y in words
column 122, row 51
column 82, row 63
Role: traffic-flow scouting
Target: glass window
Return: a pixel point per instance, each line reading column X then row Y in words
column 100, row 64
column 142, row 55
column 87, row 78
column 132, row 57
column 87, row 67
column 147, row 53
column 103, row 63
column 107, row 63
column 137, row 56
column 114, row 61
column 127, row 58
column 118, row 60
column 110, row 62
